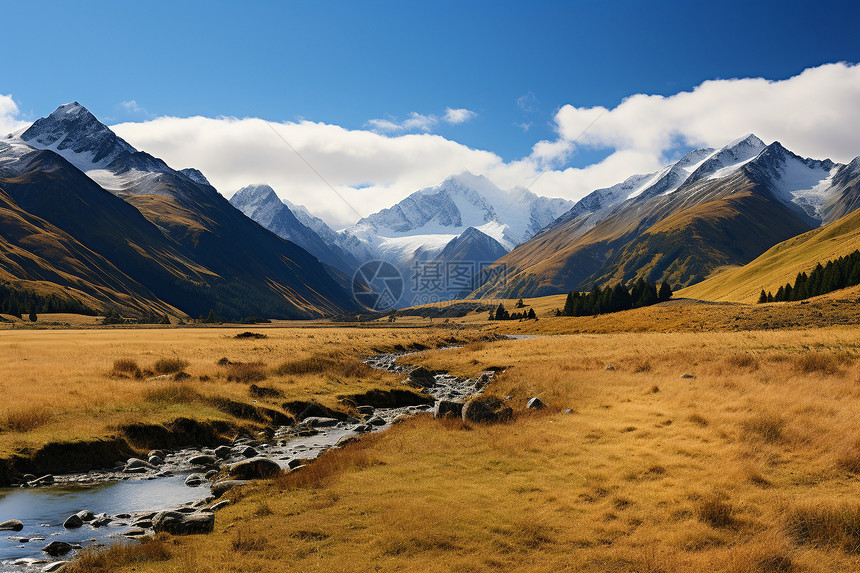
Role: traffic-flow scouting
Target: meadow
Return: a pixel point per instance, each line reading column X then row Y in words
column 65, row 385
column 661, row 449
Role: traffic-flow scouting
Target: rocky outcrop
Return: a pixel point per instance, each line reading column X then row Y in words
column 448, row 409
column 487, row 409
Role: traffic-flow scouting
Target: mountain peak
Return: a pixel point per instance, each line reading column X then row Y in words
column 253, row 199
column 72, row 130
column 749, row 140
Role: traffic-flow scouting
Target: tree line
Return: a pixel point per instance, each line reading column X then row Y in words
column 501, row 313
column 613, row 299
column 833, row 275
column 18, row 302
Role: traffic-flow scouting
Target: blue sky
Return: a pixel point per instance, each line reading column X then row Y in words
column 513, row 65
column 349, row 62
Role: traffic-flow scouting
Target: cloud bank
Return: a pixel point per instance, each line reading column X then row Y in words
column 10, row 115
column 814, row 114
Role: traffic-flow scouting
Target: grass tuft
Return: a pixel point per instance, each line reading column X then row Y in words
column 28, row 419
column 716, row 511
column 835, row 526
column 816, row 363
column 768, row 425
column 126, row 367
column 170, row 365
column 246, row 372
column 93, row 560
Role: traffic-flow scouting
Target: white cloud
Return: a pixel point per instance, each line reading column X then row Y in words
column 132, row 106
column 10, row 115
column 456, row 116
column 814, row 114
column 415, row 122
column 527, row 102
column 420, row 122
column 371, row 171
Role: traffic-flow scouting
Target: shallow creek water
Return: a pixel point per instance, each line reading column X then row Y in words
column 126, row 498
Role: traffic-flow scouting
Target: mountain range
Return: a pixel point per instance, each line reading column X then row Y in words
column 86, row 216
column 85, row 211
column 464, row 223
column 711, row 209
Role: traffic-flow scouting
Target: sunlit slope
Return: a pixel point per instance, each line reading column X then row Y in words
column 680, row 238
column 781, row 263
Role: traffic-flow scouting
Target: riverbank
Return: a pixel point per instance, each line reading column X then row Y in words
column 693, row 452
column 79, row 400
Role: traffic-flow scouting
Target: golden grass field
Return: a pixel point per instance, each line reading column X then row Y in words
column 66, row 385
column 750, row 465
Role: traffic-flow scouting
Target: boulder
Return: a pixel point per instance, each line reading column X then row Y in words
column 535, row 404
column 203, row 460
column 86, row 515
column 366, row 410
column 320, row 422
column 178, row 523
column 223, row 452
column 101, row 521
column 11, row 525
column 249, row 452
column 487, row 409
column 54, row 567
column 255, row 468
column 687, row 376
column 219, row 488
column 448, row 409
column 57, row 548
column 136, row 463
column 376, row 421
column 421, row 378
column 73, row 522
column 194, row 480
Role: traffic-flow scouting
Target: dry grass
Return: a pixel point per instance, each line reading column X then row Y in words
column 121, row 555
column 60, row 385
column 721, row 472
column 246, row 372
column 27, row 419
column 827, row 525
column 170, row 365
column 126, row 367
column 748, row 467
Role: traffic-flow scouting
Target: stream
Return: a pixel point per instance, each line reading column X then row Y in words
column 124, row 499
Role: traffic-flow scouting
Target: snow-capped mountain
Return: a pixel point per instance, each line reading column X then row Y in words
column 218, row 259
column 421, row 225
column 710, row 208
column 260, row 203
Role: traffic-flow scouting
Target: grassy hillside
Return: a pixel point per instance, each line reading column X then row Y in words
column 781, row 263
column 680, row 238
